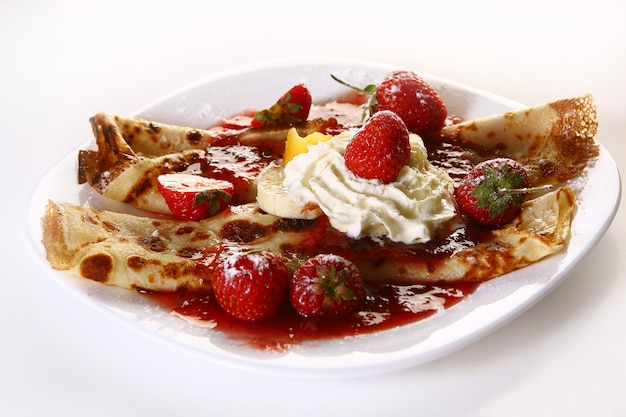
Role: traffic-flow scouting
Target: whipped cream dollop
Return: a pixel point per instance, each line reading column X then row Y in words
column 408, row 210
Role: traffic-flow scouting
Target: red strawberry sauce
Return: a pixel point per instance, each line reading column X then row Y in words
column 386, row 306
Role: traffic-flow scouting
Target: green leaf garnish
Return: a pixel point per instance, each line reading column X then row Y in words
column 213, row 197
column 489, row 193
column 369, row 89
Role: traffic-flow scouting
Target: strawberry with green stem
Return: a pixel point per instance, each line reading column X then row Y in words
column 410, row 97
column 292, row 108
column 492, row 193
column 326, row 285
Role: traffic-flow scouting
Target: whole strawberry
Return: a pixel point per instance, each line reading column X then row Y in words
column 291, row 108
column 413, row 99
column 252, row 286
column 492, row 192
column 380, row 148
column 326, row 285
column 192, row 197
column 410, row 97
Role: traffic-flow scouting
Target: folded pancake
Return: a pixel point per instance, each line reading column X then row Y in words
column 131, row 153
column 554, row 141
column 167, row 255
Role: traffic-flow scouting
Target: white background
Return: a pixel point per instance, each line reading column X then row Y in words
column 63, row 61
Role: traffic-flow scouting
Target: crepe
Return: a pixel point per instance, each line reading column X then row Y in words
column 132, row 152
column 169, row 255
column 555, row 141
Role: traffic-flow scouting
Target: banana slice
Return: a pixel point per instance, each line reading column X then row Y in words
column 273, row 197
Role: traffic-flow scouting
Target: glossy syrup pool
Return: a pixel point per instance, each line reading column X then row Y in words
column 386, row 306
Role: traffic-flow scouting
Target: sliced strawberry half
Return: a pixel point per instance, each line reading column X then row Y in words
column 192, row 197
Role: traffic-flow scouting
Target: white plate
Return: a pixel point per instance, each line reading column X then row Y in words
column 491, row 305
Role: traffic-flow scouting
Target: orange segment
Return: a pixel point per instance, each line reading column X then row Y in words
column 296, row 144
